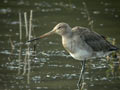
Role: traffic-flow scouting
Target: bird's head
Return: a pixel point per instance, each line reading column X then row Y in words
column 60, row 29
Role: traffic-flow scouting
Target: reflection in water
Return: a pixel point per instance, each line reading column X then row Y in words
column 53, row 68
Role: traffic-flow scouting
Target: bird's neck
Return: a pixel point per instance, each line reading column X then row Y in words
column 66, row 38
column 67, row 35
column 66, row 42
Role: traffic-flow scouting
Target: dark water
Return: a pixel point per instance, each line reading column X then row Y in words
column 53, row 68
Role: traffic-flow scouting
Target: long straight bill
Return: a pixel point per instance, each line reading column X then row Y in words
column 42, row 36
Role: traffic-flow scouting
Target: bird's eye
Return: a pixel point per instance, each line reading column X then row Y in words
column 59, row 27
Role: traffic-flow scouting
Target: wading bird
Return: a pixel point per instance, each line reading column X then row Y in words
column 81, row 43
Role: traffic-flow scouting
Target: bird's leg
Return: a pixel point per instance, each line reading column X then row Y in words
column 81, row 74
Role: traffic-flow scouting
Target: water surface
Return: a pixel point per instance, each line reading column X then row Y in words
column 53, row 68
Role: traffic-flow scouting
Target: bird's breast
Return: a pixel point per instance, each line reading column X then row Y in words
column 76, row 49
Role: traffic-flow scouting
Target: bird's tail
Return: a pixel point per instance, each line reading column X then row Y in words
column 114, row 48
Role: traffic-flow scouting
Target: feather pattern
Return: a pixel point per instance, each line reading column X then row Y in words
column 96, row 41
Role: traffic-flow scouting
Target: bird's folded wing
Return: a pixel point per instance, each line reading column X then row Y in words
column 96, row 41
